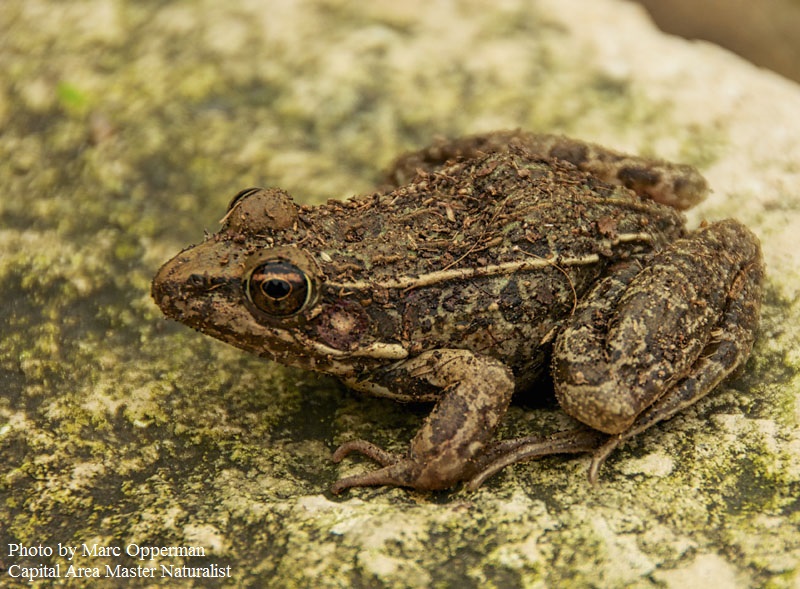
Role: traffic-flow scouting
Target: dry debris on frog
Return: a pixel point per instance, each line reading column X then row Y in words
column 488, row 260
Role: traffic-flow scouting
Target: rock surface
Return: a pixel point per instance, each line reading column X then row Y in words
column 125, row 128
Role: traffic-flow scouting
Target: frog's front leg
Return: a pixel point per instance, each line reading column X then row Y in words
column 475, row 393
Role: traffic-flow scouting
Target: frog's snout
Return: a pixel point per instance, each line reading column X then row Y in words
column 166, row 287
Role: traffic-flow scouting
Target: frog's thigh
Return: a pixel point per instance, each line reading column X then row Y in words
column 664, row 336
column 676, row 185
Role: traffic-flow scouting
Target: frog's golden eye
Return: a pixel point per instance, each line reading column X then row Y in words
column 278, row 288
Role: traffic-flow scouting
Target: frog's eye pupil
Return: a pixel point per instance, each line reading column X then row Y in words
column 278, row 288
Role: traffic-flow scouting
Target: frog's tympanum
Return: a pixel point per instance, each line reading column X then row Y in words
column 485, row 262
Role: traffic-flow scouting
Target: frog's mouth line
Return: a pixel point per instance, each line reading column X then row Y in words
column 532, row 263
column 294, row 348
column 377, row 350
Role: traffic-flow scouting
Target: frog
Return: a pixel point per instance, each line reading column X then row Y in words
column 483, row 267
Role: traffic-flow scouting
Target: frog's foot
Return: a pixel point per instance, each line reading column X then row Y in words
column 397, row 471
column 390, row 474
column 507, row 452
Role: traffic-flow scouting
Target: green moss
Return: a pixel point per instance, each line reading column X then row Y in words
column 125, row 138
column 71, row 97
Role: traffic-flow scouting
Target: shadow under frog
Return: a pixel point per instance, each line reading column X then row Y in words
column 487, row 260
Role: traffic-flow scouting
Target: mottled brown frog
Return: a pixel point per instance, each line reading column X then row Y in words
column 488, row 260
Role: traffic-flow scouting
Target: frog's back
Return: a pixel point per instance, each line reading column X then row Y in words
column 488, row 254
column 500, row 208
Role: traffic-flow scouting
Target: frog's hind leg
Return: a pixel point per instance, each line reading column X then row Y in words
column 647, row 343
column 678, row 185
column 631, row 357
column 726, row 350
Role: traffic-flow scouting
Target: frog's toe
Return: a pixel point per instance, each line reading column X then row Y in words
column 509, row 452
column 396, row 472
column 390, row 474
column 394, row 475
column 366, row 448
column 601, row 453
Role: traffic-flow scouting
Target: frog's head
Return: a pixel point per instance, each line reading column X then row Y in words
column 254, row 286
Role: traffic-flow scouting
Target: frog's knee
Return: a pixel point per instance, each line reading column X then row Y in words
column 603, row 407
